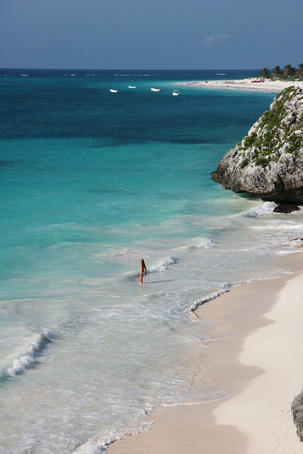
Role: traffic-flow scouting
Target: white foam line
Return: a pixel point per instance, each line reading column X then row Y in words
column 211, row 297
column 228, row 288
column 92, row 447
column 98, row 446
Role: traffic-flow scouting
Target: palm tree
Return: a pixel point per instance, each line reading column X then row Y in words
column 299, row 72
column 265, row 74
column 289, row 71
column 277, row 72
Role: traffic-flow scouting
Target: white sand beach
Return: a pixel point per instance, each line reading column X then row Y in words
column 255, row 355
column 257, row 84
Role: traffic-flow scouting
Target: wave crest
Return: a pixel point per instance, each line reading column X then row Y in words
column 28, row 358
column 201, row 243
column 163, row 265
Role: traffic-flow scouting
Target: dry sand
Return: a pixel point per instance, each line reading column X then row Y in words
column 255, row 84
column 256, row 356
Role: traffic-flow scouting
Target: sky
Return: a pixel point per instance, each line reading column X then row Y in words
column 150, row 34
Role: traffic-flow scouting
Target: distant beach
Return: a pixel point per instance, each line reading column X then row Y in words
column 256, row 84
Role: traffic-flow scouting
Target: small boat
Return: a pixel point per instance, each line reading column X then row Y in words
column 220, row 74
column 113, row 90
column 132, row 86
column 176, row 93
column 155, row 89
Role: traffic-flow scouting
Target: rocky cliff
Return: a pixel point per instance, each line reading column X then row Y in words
column 297, row 413
column 268, row 162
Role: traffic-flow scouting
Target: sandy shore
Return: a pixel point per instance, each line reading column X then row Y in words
column 273, row 86
column 256, row 356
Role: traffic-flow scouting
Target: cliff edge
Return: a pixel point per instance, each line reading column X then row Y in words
column 268, row 162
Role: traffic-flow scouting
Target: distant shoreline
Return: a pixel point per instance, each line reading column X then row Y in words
column 251, row 84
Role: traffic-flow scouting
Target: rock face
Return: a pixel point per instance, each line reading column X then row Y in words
column 268, row 162
column 297, row 413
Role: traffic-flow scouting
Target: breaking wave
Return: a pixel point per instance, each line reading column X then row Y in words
column 158, row 267
column 200, row 243
column 261, row 210
column 25, row 358
column 162, row 265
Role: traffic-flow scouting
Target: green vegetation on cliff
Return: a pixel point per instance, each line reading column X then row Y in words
column 274, row 127
column 268, row 162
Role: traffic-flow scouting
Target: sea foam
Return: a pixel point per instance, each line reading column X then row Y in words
column 261, row 210
column 162, row 265
column 159, row 267
column 200, row 243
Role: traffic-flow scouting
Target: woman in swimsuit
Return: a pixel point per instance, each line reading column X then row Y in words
column 143, row 270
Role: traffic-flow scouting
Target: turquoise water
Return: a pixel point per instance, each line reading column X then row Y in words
column 91, row 181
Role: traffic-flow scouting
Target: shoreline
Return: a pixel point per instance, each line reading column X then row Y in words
column 256, row 84
column 253, row 358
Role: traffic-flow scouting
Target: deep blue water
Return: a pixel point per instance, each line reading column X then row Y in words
column 51, row 105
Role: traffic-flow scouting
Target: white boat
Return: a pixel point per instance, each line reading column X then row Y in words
column 113, row 90
column 132, row 86
column 155, row 89
column 221, row 74
column 176, row 93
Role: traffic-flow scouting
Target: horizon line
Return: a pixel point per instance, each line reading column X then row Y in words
column 127, row 69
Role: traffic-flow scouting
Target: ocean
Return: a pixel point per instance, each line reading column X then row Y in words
column 91, row 182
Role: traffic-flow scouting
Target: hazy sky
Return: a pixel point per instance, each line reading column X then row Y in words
column 159, row 34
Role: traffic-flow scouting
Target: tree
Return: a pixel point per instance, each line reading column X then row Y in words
column 299, row 72
column 277, row 72
column 265, row 74
column 289, row 71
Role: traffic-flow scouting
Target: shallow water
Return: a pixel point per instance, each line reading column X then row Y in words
column 91, row 182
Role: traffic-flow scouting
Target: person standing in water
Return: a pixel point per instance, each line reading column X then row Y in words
column 143, row 270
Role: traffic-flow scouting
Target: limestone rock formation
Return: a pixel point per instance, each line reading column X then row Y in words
column 297, row 413
column 268, row 162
